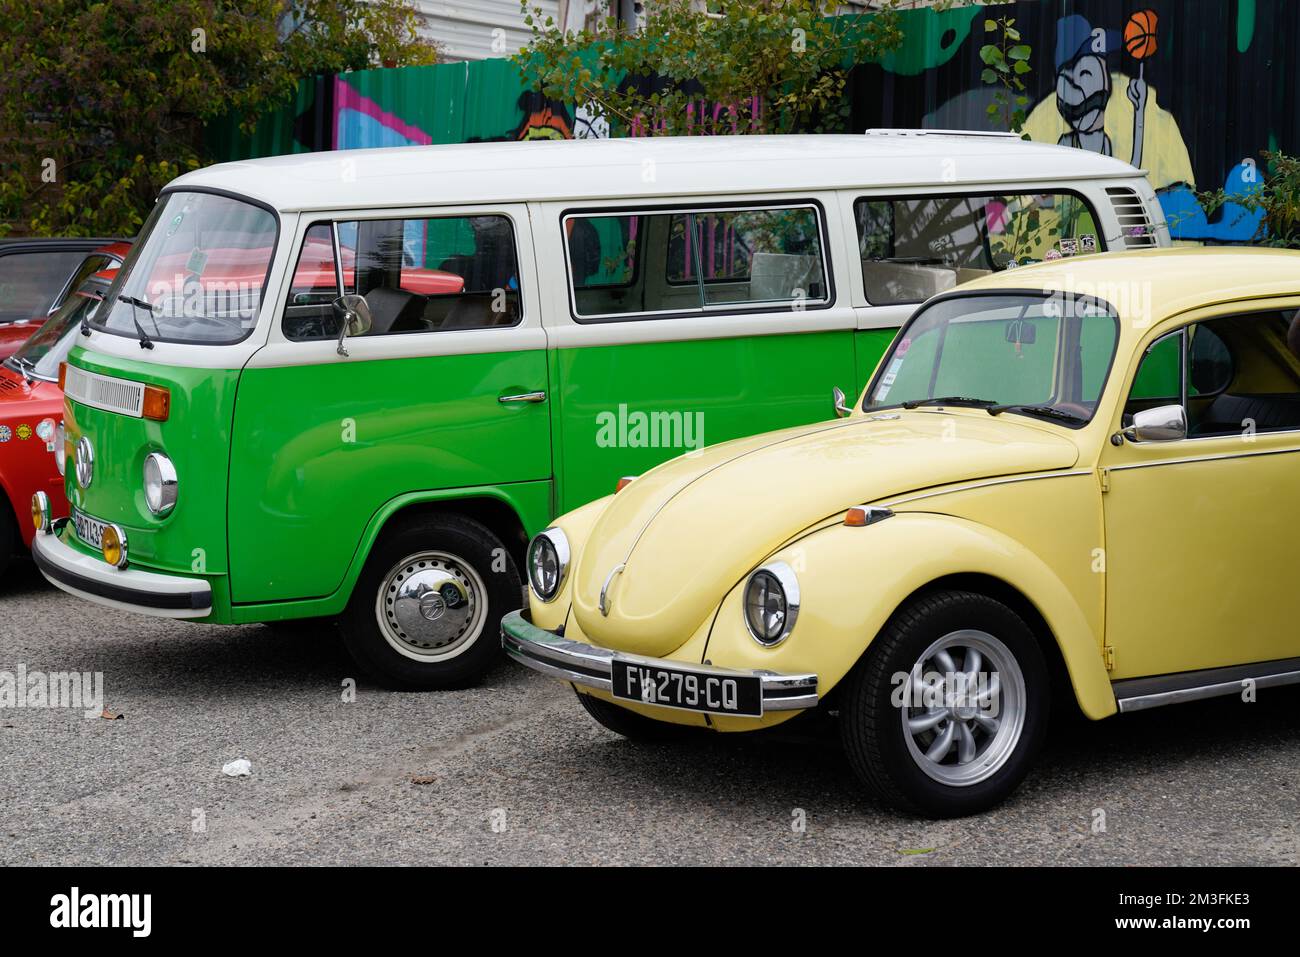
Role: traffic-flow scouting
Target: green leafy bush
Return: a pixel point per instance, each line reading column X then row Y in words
column 1277, row 197
column 756, row 66
column 103, row 102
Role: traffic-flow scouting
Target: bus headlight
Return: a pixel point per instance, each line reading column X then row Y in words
column 159, row 483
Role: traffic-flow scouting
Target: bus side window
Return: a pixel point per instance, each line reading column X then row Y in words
column 435, row 274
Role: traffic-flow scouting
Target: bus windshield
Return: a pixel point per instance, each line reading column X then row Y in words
column 197, row 274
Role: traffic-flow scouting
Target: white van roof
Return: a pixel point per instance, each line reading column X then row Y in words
column 582, row 170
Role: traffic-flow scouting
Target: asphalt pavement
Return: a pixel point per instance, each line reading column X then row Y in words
column 514, row 772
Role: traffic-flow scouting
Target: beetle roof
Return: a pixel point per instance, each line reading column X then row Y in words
column 1160, row 282
column 654, row 166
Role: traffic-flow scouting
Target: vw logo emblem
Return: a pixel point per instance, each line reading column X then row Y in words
column 432, row 606
column 85, row 462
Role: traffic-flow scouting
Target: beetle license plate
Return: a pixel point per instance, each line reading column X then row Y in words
column 701, row 691
column 89, row 530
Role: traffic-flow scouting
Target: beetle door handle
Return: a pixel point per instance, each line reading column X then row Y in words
column 523, row 397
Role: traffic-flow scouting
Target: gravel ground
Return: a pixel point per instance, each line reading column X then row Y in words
column 514, row 772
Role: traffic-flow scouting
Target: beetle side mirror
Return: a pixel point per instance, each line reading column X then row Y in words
column 1168, row 423
column 353, row 314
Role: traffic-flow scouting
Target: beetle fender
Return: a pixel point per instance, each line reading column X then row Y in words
column 851, row 580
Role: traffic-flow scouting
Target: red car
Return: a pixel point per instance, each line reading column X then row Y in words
column 31, row 408
column 38, row 275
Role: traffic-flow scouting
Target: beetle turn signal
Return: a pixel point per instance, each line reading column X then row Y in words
column 623, row 483
column 861, row 516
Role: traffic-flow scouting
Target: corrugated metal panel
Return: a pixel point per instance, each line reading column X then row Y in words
column 274, row 134
column 413, row 105
column 465, row 27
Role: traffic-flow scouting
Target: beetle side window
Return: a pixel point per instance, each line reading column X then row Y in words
column 915, row 247
column 1242, row 375
column 683, row 262
column 439, row 274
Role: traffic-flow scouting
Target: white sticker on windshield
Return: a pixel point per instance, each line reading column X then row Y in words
column 887, row 380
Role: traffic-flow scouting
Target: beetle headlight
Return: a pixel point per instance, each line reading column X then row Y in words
column 771, row 603
column 159, row 483
column 548, row 563
column 61, row 448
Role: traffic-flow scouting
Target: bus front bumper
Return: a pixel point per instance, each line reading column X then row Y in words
column 145, row 593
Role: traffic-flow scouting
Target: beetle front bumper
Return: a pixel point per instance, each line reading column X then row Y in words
column 592, row 667
column 146, row 593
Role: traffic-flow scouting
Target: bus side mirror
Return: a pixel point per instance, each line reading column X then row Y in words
column 353, row 314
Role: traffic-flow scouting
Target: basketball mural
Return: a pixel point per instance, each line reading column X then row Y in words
column 1189, row 90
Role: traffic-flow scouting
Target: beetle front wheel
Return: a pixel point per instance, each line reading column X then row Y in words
column 947, row 709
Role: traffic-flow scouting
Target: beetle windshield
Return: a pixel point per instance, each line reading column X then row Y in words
column 39, row 356
column 1027, row 353
column 197, row 275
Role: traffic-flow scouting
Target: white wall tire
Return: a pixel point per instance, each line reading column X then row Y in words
column 426, row 612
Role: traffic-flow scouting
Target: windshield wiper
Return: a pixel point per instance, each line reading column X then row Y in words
column 134, row 303
column 19, row 365
column 1046, row 411
column 948, row 400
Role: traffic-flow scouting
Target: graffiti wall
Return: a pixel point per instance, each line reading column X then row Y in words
column 1190, row 90
column 447, row 103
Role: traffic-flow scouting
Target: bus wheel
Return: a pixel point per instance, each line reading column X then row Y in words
column 426, row 612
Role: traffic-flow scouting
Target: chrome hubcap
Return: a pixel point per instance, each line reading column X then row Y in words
column 965, row 708
column 431, row 605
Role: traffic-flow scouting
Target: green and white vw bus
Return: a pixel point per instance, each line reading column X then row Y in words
column 351, row 386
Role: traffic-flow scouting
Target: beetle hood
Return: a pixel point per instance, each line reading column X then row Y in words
column 689, row 530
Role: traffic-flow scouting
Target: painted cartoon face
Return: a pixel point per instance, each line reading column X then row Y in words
column 1082, row 89
column 546, row 124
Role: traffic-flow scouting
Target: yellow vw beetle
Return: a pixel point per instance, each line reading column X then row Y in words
column 1077, row 481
